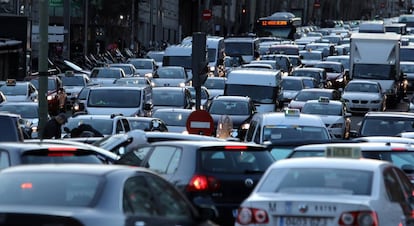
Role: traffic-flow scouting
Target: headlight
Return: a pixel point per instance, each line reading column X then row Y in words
column 212, row 68
column 245, row 126
column 49, row 97
column 76, row 107
column 182, row 84
column 34, row 129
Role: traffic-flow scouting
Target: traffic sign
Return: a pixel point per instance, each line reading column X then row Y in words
column 200, row 122
column 207, row 14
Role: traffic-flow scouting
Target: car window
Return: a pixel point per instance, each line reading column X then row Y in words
column 4, row 159
column 392, row 186
column 164, row 159
column 134, row 157
column 318, row 180
column 137, row 197
column 235, row 161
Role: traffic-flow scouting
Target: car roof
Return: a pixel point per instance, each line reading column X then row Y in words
column 92, row 169
column 114, row 87
column 83, row 116
column 318, row 90
column 212, row 143
column 239, row 98
column 323, row 162
column 332, row 102
column 363, row 81
column 363, row 146
column 310, row 69
column 390, row 114
column 272, row 118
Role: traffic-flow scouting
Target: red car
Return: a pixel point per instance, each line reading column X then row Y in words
column 53, row 84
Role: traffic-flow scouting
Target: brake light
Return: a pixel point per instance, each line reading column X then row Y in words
column 62, row 148
column 203, row 183
column 60, row 154
column 252, row 216
column 26, row 185
column 358, row 218
column 235, row 147
column 398, row 149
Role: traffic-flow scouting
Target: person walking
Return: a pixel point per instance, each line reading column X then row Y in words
column 62, row 100
column 53, row 127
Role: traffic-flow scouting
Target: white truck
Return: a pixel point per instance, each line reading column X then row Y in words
column 376, row 57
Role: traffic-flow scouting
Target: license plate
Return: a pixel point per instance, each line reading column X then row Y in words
column 302, row 221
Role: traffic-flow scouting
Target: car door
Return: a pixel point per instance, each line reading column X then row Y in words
column 150, row 200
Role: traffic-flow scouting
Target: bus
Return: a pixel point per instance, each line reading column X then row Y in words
column 280, row 24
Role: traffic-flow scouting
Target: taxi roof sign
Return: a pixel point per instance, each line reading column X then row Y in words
column 343, row 152
column 323, row 100
column 292, row 112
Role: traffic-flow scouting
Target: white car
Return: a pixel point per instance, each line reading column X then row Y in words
column 328, row 191
column 361, row 96
column 19, row 91
column 333, row 113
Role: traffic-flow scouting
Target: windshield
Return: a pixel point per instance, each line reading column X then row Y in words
column 73, row 81
column 27, row 112
column 114, row 99
column 305, row 96
column 104, row 126
column 211, row 54
column 239, row 48
column 386, row 126
column 168, row 98
column 286, row 133
column 183, row 61
column 16, row 90
column 407, row 68
column 322, row 109
column 51, row 84
column 259, row 94
column 49, row 189
column 374, row 71
column 362, row 87
column 318, row 181
column 173, row 118
column 292, row 84
column 170, row 73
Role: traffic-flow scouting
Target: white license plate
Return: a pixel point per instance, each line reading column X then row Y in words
column 302, row 221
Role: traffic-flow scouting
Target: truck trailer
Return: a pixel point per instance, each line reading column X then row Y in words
column 376, row 57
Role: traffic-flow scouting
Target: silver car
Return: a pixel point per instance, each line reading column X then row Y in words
column 361, row 96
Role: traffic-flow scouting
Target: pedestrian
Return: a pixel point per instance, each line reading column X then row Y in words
column 53, row 127
column 62, row 100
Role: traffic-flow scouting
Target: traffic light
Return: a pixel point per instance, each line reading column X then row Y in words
column 199, row 59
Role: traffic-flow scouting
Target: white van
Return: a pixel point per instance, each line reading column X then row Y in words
column 125, row 100
column 179, row 55
column 245, row 47
column 215, row 51
column 262, row 86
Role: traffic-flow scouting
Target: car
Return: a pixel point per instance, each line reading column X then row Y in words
column 171, row 97
column 12, row 129
column 72, row 84
column 206, row 171
column 313, row 94
column 39, row 152
column 396, row 150
column 291, row 85
column 174, row 118
column 400, row 138
column 105, row 124
column 390, row 123
column 319, row 74
column 54, row 83
column 283, row 131
column 205, row 96
column 125, row 100
column 335, row 72
column 28, row 111
column 171, row 76
column 18, row 91
column 407, row 67
column 106, row 75
column 344, row 59
column 157, row 55
column 80, row 101
column 80, row 194
column 144, row 66
column 147, row 124
column 361, row 96
column 129, row 69
column 333, row 113
column 329, row 191
column 238, row 108
column 215, row 85
column 310, row 57
column 282, row 62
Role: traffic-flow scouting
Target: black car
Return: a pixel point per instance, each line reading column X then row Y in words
column 240, row 110
column 207, row 172
column 91, row 195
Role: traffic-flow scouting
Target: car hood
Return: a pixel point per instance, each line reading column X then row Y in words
column 329, row 119
column 361, row 95
column 17, row 98
column 289, row 94
column 109, row 111
column 168, row 81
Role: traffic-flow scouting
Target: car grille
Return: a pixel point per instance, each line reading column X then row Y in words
column 360, row 101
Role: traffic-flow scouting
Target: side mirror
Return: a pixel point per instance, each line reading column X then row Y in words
column 353, row 134
column 66, row 129
column 148, row 106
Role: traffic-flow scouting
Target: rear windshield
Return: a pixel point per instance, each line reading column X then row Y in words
column 235, row 161
column 48, row 189
column 42, row 157
column 318, row 181
column 386, row 126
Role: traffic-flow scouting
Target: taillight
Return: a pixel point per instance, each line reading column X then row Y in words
column 238, row 147
column 203, row 183
column 252, row 216
column 358, row 218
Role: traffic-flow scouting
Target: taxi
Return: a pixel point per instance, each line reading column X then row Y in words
column 19, row 91
column 338, row 189
column 333, row 113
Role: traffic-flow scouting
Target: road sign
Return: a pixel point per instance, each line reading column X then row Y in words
column 207, row 14
column 200, row 122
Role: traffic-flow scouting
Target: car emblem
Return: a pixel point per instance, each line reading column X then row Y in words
column 303, row 208
column 249, row 182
